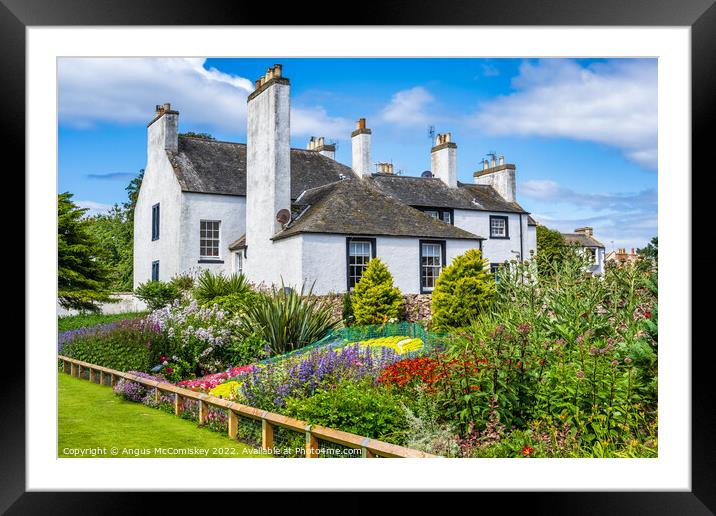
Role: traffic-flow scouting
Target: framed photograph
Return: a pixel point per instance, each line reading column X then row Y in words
column 430, row 236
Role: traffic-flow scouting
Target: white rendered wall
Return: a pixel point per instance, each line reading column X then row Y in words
column 229, row 209
column 531, row 241
column 268, row 178
column 494, row 249
column 324, row 260
column 159, row 185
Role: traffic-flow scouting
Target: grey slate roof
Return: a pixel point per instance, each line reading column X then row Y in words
column 582, row 240
column 358, row 207
column 432, row 192
column 216, row 167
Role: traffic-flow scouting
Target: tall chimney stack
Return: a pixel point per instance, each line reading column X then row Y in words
column 443, row 160
column 163, row 130
column 360, row 142
column 268, row 168
column 500, row 176
column 319, row 145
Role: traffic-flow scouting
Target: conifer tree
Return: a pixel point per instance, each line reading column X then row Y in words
column 375, row 299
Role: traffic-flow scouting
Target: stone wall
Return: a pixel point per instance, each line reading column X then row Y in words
column 417, row 306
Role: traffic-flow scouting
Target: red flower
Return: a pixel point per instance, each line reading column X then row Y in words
column 162, row 358
column 169, row 370
column 527, row 450
column 647, row 315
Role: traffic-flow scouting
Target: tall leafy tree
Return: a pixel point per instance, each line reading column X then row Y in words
column 651, row 251
column 115, row 232
column 82, row 276
column 550, row 246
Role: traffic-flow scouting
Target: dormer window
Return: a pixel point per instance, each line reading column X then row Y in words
column 443, row 214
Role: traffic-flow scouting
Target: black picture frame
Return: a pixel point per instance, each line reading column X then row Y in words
column 700, row 15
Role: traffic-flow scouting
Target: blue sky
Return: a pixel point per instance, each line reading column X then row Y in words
column 582, row 133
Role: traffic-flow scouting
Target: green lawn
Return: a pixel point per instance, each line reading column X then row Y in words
column 91, row 417
column 73, row 322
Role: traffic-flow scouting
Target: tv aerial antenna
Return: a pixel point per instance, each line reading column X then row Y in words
column 431, row 133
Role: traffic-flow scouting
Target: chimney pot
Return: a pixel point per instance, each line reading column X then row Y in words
column 502, row 159
column 277, row 70
column 361, row 123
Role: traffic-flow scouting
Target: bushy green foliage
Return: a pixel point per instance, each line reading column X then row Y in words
column 357, row 407
column 128, row 347
column 157, row 294
column 286, row 319
column 115, row 233
column 235, row 304
column 569, row 348
column 348, row 316
column 212, row 286
column 244, row 351
column 83, row 280
column 375, row 299
column 463, row 290
column 551, row 246
column 183, row 282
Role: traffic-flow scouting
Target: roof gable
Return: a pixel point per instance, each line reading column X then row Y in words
column 357, row 207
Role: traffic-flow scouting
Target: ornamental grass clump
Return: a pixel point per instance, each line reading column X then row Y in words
column 287, row 320
column 376, row 300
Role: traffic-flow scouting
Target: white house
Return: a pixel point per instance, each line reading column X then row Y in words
column 297, row 215
column 584, row 238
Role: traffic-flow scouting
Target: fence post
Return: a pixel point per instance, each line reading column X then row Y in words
column 91, row 375
column 233, row 424
column 203, row 411
column 157, row 394
column 177, row 404
column 79, row 371
column 367, row 454
column 113, row 381
column 266, row 435
column 311, row 444
column 73, row 369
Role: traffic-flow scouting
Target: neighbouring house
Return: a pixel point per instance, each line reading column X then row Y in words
column 620, row 256
column 280, row 214
column 584, row 238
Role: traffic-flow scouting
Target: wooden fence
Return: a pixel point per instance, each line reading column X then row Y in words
column 369, row 447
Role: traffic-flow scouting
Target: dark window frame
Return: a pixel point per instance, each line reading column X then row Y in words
column 205, row 258
column 373, row 254
column 506, row 218
column 443, row 258
column 155, row 222
column 441, row 212
column 155, row 266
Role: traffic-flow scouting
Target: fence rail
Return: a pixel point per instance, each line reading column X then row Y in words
column 370, row 448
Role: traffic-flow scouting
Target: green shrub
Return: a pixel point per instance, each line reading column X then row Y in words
column 157, row 294
column 376, row 300
column 184, row 282
column 84, row 320
column 348, row 316
column 243, row 351
column 128, row 347
column 357, row 407
column 463, row 289
column 213, row 285
column 287, row 320
column 235, row 303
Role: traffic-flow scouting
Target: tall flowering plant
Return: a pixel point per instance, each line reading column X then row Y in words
column 196, row 337
column 320, row 369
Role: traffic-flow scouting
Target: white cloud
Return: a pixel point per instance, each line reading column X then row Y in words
column 552, row 192
column 315, row 121
column 613, row 103
column 126, row 90
column 627, row 219
column 94, row 208
column 407, row 107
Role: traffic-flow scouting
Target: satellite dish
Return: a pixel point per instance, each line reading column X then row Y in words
column 283, row 216
column 426, row 173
